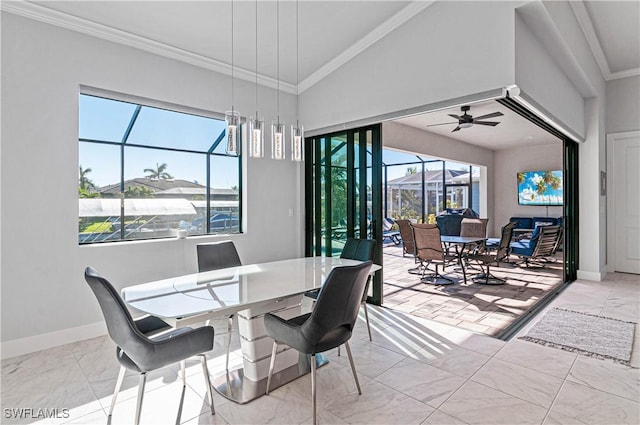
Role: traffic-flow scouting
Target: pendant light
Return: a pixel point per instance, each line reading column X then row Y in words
column 232, row 117
column 297, row 131
column 278, row 132
column 256, row 124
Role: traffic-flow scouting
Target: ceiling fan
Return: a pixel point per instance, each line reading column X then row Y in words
column 465, row 120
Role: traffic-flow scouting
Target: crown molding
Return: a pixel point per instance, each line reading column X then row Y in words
column 94, row 29
column 584, row 20
column 364, row 43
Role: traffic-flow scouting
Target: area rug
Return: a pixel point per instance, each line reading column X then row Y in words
column 587, row 334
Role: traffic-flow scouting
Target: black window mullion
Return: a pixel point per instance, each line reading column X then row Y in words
column 351, row 195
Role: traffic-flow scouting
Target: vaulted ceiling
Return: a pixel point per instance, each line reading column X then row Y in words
column 314, row 39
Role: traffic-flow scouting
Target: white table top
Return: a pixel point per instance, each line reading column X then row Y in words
column 227, row 291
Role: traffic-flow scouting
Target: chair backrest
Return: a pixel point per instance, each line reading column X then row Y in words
column 546, row 240
column 428, row 244
column 449, row 225
column 120, row 324
column 406, row 233
column 505, row 241
column 358, row 249
column 474, row 227
column 217, row 255
column 387, row 223
column 338, row 302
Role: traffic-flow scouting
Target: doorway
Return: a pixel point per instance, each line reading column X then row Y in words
column 343, row 194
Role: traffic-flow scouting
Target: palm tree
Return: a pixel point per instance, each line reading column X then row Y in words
column 159, row 172
column 85, row 182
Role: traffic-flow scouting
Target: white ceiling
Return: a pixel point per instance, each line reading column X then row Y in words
column 512, row 130
column 330, row 33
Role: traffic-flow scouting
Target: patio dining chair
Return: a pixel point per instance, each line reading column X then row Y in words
column 408, row 243
column 486, row 259
column 429, row 251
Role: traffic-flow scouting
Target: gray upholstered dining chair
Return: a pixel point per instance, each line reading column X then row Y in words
column 361, row 250
column 141, row 346
column 328, row 326
column 214, row 256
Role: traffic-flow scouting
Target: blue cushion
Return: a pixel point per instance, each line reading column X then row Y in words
column 552, row 221
column 522, row 248
column 492, row 242
column 523, row 222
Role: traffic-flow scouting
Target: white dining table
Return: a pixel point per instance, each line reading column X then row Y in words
column 250, row 291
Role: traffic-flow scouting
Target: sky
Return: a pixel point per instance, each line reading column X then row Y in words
column 107, row 120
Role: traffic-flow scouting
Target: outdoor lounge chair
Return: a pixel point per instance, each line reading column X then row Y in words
column 540, row 248
column 388, row 232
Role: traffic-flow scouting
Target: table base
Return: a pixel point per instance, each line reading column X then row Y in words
column 234, row 386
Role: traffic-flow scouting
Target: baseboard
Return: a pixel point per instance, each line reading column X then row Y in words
column 595, row 276
column 31, row 344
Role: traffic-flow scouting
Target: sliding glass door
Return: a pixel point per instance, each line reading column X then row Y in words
column 344, row 194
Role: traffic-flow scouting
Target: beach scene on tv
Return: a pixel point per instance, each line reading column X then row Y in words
column 540, row 187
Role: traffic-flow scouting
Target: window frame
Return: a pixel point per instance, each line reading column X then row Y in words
column 207, row 155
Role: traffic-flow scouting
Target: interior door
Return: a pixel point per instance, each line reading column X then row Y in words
column 344, row 194
column 626, row 177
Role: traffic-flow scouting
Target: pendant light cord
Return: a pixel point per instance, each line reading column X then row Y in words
column 256, row 60
column 278, row 58
column 297, row 65
column 232, row 80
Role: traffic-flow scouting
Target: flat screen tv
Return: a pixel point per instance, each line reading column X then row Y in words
column 540, row 188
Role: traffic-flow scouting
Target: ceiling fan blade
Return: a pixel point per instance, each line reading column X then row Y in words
column 454, row 116
column 492, row 115
column 456, row 129
column 443, row 123
column 491, row 123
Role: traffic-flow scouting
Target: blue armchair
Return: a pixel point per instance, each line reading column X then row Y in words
column 542, row 245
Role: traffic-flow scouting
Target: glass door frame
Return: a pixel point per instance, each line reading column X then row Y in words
column 357, row 215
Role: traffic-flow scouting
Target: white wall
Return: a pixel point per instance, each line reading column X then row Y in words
column 411, row 139
column 623, row 105
column 43, row 290
column 538, row 75
column 507, row 163
column 449, row 50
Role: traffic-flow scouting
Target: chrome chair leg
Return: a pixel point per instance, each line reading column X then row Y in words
column 271, row 365
column 366, row 316
column 229, row 329
column 207, row 381
column 353, row 366
column 117, row 389
column 141, row 382
column 184, row 373
column 313, row 386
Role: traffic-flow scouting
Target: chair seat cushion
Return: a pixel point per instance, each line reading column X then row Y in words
column 492, row 242
column 312, row 294
column 521, row 248
column 289, row 332
column 167, row 348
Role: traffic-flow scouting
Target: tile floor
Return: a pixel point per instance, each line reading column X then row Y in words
column 415, row 371
column 487, row 309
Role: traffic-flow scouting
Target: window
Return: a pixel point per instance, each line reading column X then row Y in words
column 147, row 172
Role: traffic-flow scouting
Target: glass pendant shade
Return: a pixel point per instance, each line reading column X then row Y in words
column 297, row 143
column 233, row 132
column 256, row 137
column 278, row 140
